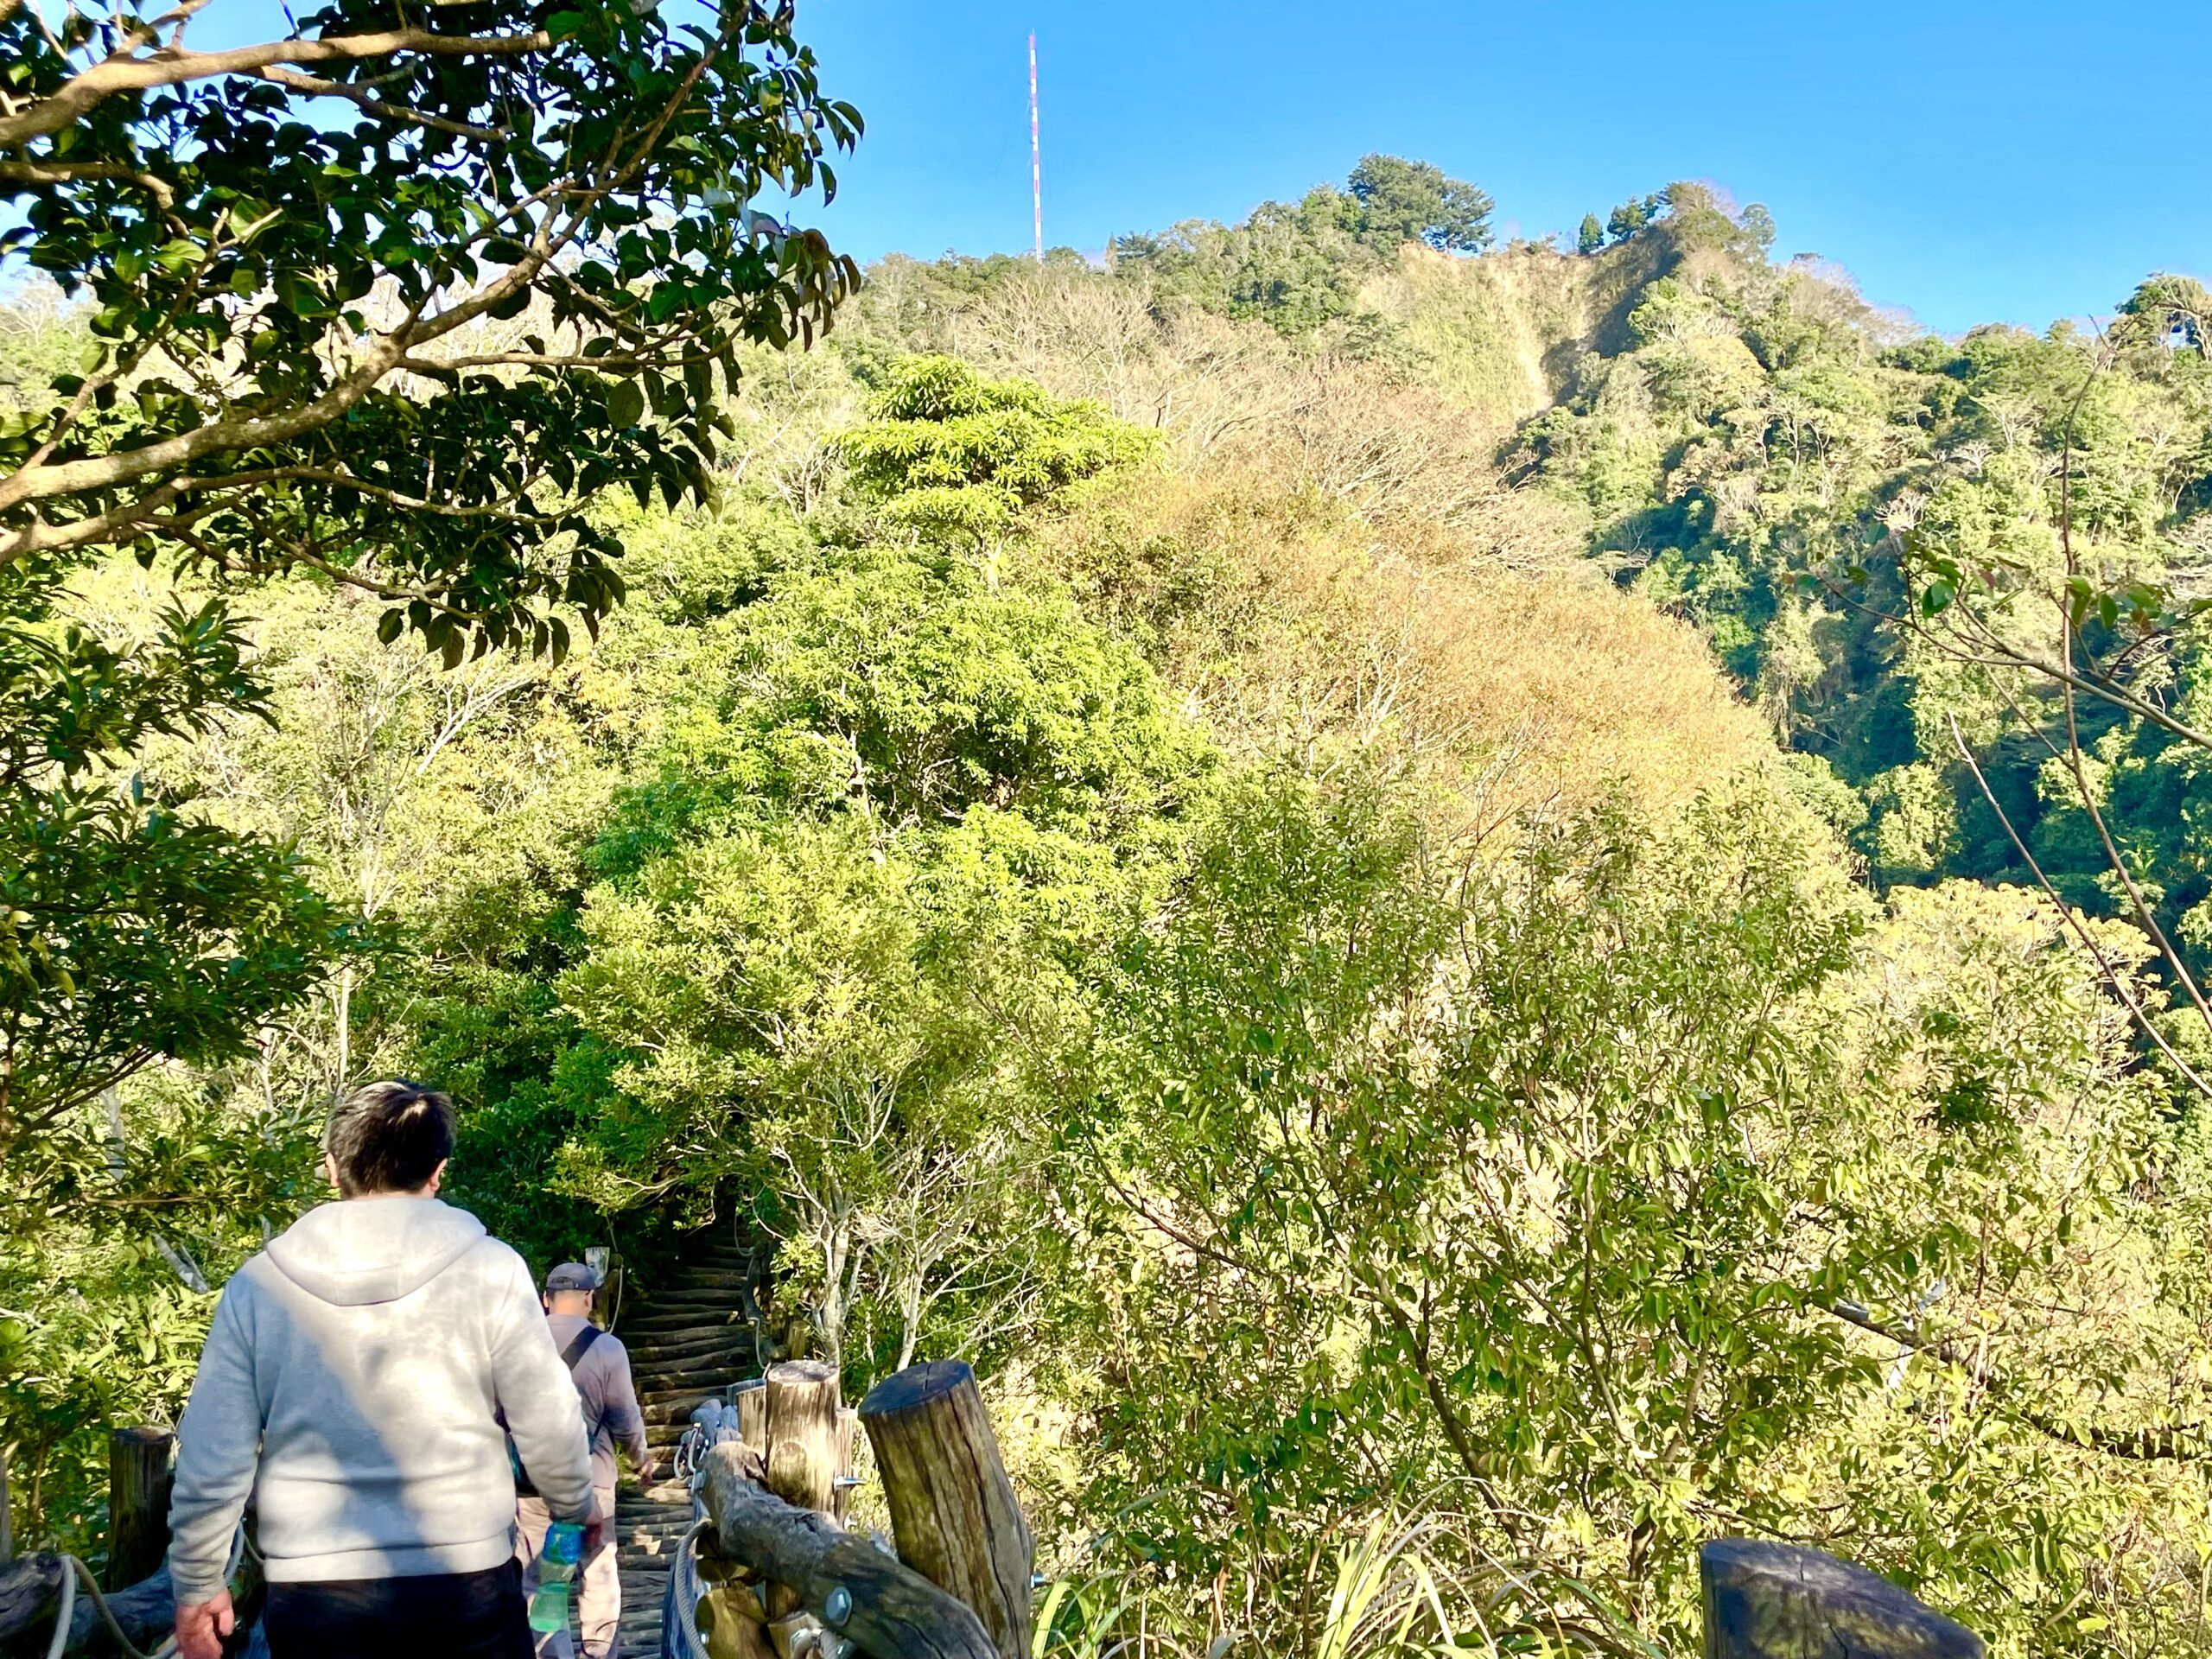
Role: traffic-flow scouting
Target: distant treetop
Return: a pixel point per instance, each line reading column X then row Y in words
column 1300, row 264
column 1400, row 201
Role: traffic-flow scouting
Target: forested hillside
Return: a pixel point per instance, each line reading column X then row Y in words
column 1336, row 852
column 1759, row 451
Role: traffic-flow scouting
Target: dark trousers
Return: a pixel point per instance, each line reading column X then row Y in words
column 439, row 1616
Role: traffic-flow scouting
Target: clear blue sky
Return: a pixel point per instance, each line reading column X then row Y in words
column 1970, row 162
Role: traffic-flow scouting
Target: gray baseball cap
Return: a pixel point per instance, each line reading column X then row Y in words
column 571, row 1275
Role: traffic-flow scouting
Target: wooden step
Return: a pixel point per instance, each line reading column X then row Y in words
column 699, row 1299
column 682, row 1347
column 713, row 1371
column 688, row 1342
column 702, row 1282
column 656, row 1324
column 706, row 1345
column 678, row 1372
column 674, row 1371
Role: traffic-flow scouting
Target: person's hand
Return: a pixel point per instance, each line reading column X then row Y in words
column 202, row 1626
column 599, row 1532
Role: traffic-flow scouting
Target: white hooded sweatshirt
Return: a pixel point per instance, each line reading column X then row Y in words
column 349, row 1384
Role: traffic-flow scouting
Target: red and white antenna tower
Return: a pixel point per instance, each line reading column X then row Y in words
column 1036, row 164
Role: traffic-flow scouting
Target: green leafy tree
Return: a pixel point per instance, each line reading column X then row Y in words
column 1578, row 1194
column 1299, row 265
column 1590, row 237
column 899, row 806
column 1757, row 223
column 1632, row 216
column 948, row 450
column 400, row 345
column 131, row 928
column 1400, row 201
column 387, row 301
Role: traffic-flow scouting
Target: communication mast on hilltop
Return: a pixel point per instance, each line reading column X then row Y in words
column 1036, row 164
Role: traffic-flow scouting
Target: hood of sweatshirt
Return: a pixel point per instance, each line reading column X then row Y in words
column 361, row 1251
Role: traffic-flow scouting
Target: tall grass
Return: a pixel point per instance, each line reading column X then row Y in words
column 1397, row 1590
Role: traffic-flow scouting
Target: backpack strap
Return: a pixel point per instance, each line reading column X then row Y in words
column 578, row 1345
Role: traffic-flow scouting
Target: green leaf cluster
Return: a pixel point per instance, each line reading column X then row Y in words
column 948, row 451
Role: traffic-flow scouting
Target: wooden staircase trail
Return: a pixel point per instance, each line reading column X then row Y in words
column 688, row 1340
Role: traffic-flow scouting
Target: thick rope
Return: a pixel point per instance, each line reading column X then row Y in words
column 72, row 1570
column 679, row 1620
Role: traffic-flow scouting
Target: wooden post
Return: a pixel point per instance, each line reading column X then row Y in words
column 885, row 1611
column 802, row 1430
column 800, row 1411
column 1778, row 1601
column 954, row 1514
column 137, row 1503
column 607, row 1306
column 751, row 1402
column 848, row 1428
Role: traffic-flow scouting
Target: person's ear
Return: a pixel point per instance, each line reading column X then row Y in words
column 437, row 1179
column 330, row 1173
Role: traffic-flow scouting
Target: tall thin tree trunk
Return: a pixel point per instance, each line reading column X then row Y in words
column 345, row 1030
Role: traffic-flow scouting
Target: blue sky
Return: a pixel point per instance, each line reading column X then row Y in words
column 1970, row 162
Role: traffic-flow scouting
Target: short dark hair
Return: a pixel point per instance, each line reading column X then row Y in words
column 388, row 1137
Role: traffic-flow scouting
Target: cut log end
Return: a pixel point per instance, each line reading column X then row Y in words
column 1779, row 1601
column 915, row 1387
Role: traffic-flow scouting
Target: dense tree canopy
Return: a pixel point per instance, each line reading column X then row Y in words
column 1300, row 264
column 1335, row 862
column 1403, row 201
column 390, row 300
column 397, row 345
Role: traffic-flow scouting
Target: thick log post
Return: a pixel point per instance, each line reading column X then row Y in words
column 954, row 1514
column 801, row 1416
column 137, row 1503
column 1777, row 1601
column 751, row 1402
column 885, row 1611
column 802, row 1431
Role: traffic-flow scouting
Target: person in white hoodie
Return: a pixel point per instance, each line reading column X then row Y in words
column 353, row 1386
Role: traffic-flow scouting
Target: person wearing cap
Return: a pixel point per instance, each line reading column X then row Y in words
column 352, row 1387
column 600, row 1368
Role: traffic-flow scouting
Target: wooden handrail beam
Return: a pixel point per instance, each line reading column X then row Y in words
column 886, row 1610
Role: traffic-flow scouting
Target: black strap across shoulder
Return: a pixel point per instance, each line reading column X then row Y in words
column 578, row 1345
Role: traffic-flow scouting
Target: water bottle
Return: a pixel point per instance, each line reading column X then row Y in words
column 557, row 1570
